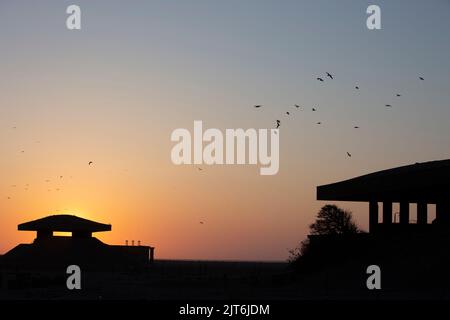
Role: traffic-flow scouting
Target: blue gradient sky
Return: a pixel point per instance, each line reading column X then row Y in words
column 113, row 92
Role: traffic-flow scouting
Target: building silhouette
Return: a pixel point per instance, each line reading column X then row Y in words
column 49, row 251
column 420, row 183
column 412, row 253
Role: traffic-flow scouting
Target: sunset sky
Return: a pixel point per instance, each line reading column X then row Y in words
column 114, row 91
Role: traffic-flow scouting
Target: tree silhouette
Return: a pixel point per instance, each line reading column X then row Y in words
column 333, row 220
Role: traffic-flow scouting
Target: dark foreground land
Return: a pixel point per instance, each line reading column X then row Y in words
column 206, row 280
column 163, row 280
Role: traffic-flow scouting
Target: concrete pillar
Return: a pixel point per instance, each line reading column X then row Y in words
column 373, row 215
column 387, row 212
column 439, row 210
column 404, row 212
column 81, row 234
column 442, row 211
column 44, row 234
column 422, row 213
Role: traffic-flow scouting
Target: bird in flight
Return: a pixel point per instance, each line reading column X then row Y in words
column 201, row 222
column 258, row 106
column 90, row 162
column 398, row 95
column 278, row 124
column 297, row 106
column 320, row 79
column 287, row 113
column 356, row 127
column 199, row 169
column 357, row 88
column 313, row 109
column 330, row 75
column 319, row 122
column 349, row 154
column 388, row 105
column 421, row 78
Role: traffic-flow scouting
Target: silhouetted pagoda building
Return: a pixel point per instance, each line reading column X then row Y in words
column 50, row 251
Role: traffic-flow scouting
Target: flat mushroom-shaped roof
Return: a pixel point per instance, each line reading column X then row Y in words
column 64, row 223
column 428, row 181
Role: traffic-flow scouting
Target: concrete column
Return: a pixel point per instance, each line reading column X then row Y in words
column 44, row 234
column 442, row 211
column 387, row 212
column 373, row 215
column 81, row 234
column 404, row 212
column 439, row 210
column 422, row 213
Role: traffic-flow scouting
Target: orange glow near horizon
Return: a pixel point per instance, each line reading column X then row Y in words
column 112, row 93
column 167, row 216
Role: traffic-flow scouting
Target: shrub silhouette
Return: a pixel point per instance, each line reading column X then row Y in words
column 330, row 221
column 333, row 220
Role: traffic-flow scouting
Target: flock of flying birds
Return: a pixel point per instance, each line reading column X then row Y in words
column 27, row 186
column 277, row 124
column 322, row 79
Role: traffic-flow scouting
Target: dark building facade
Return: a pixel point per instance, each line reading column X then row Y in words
column 49, row 251
column 420, row 183
column 411, row 252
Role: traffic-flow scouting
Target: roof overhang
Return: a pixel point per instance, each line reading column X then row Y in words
column 64, row 223
column 428, row 182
